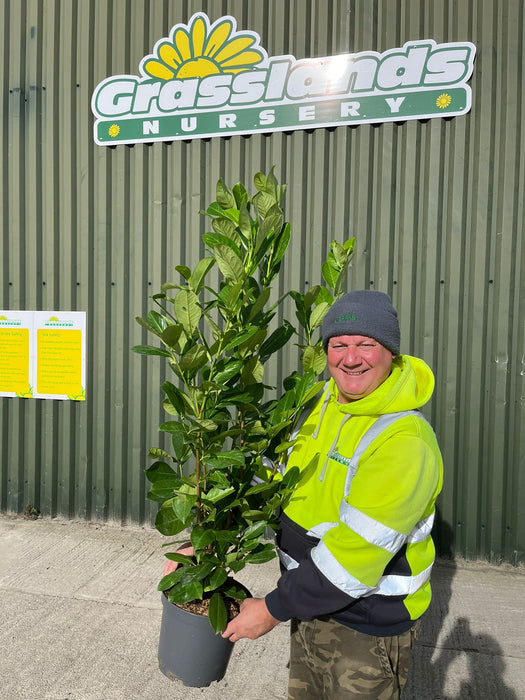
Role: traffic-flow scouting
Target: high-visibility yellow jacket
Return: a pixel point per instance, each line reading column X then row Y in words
column 355, row 538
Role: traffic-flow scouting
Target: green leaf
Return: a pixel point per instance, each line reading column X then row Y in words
column 229, row 370
column 156, row 321
column 259, row 181
column 163, row 489
column 214, row 239
column 145, row 325
column 276, row 341
column 227, row 459
column 168, row 581
column 201, row 537
column 149, row 350
column 216, row 210
column 167, row 522
column 182, row 506
column 263, row 203
column 241, row 337
column 216, row 494
column 179, row 558
column 253, row 371
column 284, row 240
column 205, row 424
column 194, row 358
column 171, row 335
column 216, row 579
column 317, row 315
column 245, row 222
column 261, row 488
column 224, row 197
column 217, row 613
column 229, row 263
column 261, row 556
column 314, row 358
column 202, row 268
column 187, row 310
column 159, row 471
column 158, row 452
column 175, row 397
column 184, row 593
column 340, row 254
column 254, row 531
column 184, row 271
column 330, row 275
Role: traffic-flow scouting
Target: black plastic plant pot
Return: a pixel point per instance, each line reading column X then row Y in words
column 189, row 650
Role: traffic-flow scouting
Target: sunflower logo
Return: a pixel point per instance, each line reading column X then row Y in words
column 443, row 101
column 114, row 130
column 199, row 49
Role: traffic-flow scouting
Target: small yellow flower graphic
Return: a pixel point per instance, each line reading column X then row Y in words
column 114, row 130
column 79, row 395
column 198, row 50
column 443, row 101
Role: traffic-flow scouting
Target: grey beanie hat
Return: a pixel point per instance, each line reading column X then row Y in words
column 363, row 312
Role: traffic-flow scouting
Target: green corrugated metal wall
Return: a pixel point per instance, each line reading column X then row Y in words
column 436, row 207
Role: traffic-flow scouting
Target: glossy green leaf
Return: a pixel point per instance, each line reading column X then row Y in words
column 200, row 537
column 215, row 239
column 254, row 531
column 202, row 268
column 167, row 522
column 194, row 358
column 317, row 315
column 226, row 459
column 187, row 310
column 175, row 397
column 276, row 341
column 314, row 358
column 159, row 471
column 149, row 350
column 229, row 263
column 216, row 579
column 330, row 275
column 224, row 196
column 184, row 593
column 217, row 613
column 253, row 371
column 156, row 321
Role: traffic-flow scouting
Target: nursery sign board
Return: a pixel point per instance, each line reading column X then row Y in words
column 42, row 354
column 206, row 80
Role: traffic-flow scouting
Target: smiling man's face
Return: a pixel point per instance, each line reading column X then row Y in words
column 358, row 365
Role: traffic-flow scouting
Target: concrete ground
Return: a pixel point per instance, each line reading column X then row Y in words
column 80, row 618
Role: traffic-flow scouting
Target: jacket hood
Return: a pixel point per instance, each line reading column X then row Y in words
column 409, row 386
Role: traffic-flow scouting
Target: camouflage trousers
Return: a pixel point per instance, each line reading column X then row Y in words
column 329, row 661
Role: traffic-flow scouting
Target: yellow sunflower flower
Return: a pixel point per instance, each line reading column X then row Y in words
column 199, row 50
column 443, row 101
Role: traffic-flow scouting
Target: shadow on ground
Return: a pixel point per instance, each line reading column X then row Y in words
column 451, row 661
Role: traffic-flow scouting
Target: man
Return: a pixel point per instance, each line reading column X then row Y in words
column 355, row 540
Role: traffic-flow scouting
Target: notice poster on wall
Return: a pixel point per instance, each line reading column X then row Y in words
column 16, row 361
column 42, row 354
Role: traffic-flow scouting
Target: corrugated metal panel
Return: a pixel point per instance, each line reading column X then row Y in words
column 436, row 206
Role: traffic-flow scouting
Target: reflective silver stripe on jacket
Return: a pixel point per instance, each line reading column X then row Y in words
column 371, row 530
column 342, row 579
column 287, row 561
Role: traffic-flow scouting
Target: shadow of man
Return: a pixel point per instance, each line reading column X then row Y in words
column 471, row 663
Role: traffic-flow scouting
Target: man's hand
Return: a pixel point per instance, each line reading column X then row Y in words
column 252, row 622
column 171, row 566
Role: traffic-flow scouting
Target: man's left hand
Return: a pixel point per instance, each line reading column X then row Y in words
column 252, row 622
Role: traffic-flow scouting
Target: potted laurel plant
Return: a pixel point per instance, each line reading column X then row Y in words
column 217, row 340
